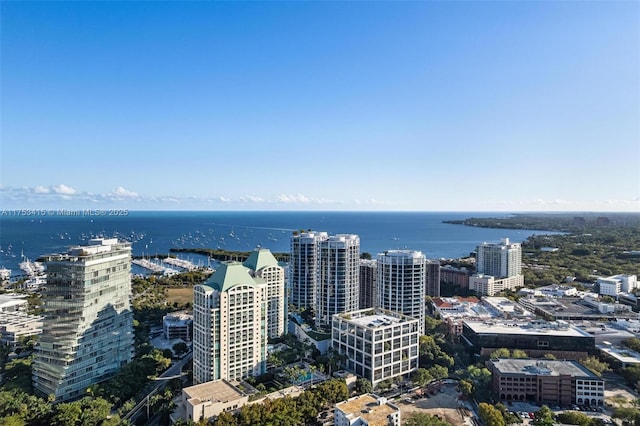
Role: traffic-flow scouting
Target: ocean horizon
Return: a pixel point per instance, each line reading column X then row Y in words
column 155, row 232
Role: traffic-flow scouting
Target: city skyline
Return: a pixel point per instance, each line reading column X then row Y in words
column 418, row 106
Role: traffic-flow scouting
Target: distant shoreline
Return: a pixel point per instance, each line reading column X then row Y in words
column 567, row 223
column 225, row 255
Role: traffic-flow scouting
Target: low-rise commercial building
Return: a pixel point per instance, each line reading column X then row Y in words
column 536, row 338
column 545, row 382
column 378, row 344
column 619, row 356
column 178, row 325
column 505, row 308
column 576, row 308
column 454, row 310
column 13, row 303
column 14, row 325
column 209, row 399
column 553, row 290
column 603, row 332
column 367, row 410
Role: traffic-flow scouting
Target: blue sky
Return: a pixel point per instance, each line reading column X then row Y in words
column 496, row 106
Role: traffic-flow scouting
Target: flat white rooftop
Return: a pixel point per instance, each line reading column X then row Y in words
column 214, row 391
column 375, row 411
column 624, row 355
column 531, row 367
column 524, row 328
column 12, row 320
column 374, row 318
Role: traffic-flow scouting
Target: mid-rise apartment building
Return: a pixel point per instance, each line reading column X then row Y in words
column 616, row 284
column 378, row 344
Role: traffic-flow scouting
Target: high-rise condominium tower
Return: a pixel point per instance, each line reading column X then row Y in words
column 229, row 325
column 499, row 260
column 303, row 268
column 368, row 280
column 87, row 333
column 262, row 265
column 338, row 285
column 433, row 278
column 401, row 283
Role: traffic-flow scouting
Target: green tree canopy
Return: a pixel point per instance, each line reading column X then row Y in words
column 180, row 348
column 544, row 417
column 500, row 353
column 363, row 385
column 632, row 343
column 595, row 365
column 422, row 376
column 67, row 414
column 490, row 415
column 627, row 414
column 519, row 353
column 575, row 418
column 466, row 387
column 439, row 372
column 424, row 419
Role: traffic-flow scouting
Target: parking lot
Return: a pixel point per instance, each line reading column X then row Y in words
column 525, row 410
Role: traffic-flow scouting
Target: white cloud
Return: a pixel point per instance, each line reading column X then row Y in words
column 63, row 189
column 47, row 196
column 121, row 192
column 372, row 202
column 251, row 199
column 297, row 198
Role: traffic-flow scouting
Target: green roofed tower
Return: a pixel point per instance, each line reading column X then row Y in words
column 235, row 312
column 262, row 264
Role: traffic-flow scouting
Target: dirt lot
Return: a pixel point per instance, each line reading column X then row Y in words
column 616, row 395
column 181, row 295
column 443, row 404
